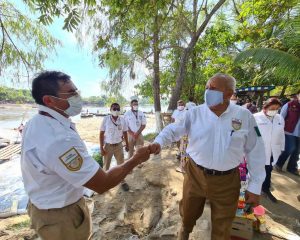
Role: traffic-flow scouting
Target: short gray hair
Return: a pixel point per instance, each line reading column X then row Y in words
column 230, row 81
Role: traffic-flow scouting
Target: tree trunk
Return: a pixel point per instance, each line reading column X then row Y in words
column 193, row 83
column 176, row 91
column 283, row 91
column 156, row 76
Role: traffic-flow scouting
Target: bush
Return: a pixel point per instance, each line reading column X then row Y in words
column 150, row 137
column 98, row 158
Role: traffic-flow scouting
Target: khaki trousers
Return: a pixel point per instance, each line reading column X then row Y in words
column 113, row 150
column 70, row 222
column 222, row 192
column 134, row 143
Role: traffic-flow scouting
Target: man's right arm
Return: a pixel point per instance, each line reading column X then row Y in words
column 283, row 111
column 103, row 181
column 173, row 132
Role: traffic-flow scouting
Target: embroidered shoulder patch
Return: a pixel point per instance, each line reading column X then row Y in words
column 71, row 159
column 257, row 131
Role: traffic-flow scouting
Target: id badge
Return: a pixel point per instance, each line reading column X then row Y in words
column 120, row 127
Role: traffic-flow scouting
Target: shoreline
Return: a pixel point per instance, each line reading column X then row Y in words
column 17, row 105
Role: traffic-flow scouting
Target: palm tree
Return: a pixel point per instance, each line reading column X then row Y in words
column 284, row 64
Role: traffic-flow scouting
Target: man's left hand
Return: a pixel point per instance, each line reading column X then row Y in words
column 252, row 198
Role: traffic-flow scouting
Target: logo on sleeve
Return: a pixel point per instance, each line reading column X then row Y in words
column 71, row 159
column 236, row 124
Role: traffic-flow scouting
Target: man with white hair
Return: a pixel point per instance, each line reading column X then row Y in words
column 220, row 135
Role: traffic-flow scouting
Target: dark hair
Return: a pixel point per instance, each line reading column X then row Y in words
column 191, row 99
column 134, row 101
column 46, row 83
column 114, row 104
column 270, row 102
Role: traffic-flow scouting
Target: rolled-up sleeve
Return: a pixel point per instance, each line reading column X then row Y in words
column 255, row 155
column 173, row 132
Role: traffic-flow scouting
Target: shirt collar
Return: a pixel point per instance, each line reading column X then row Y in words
column 230, row 106
column 62, row 119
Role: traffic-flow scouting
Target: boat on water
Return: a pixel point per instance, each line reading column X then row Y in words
column 100, row 114
column 86, row 115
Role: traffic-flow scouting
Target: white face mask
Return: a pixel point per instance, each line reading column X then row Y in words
column 213, row 97
column 233, row 101
column 180, row 108
column 135, row 108
column 272, row 113
column 115, row 113
column 75, row 105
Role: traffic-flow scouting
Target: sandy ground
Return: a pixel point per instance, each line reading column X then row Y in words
column 150, row 209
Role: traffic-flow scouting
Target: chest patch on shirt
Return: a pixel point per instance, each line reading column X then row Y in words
column 236, row 124
column 71, row 159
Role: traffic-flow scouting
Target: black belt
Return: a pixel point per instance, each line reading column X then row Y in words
column 215, row 172
column 113, row 144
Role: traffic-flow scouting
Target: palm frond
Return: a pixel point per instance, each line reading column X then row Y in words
column 283, row 64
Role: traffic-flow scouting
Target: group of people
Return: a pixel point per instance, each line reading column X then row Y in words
column 56, row 165
column 280, row 129
column 115, row 128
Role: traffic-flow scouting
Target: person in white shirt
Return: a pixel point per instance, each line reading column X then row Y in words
column 220, row 134
column 136, row 122
column 179, row 113
column 271, row 126
column 55, row 163
column 112, row 130
column 178, row 118
column 190, row 104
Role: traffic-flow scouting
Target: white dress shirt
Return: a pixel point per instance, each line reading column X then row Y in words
column 113, row 129
column 220, row 143
column 179, row 116
column 190, row 105
column 272, row 132
column 135, row 120
column 55, row 162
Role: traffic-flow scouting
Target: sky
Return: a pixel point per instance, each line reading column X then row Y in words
column 76, row 61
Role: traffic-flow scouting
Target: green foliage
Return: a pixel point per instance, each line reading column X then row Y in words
column 123, row 33
column 281, row 63
column 150, row 137
column 96, row 100
column 98, row 158
column 24, row 43
column 19, row 226
column 12, row 95
column 281, row 60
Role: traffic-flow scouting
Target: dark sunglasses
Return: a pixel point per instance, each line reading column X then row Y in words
column 116, row 109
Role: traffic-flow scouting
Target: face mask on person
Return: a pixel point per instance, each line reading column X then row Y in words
column 213, row 97
column 75, row 105
column 272, row 113
column 180, row 108
column 233, row 101
column 115, row 113
column 135, row 108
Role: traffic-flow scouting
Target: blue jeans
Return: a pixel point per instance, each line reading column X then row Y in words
column 291, row 149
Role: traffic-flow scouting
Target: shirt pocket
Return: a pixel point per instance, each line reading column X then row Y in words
column 236, row 139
